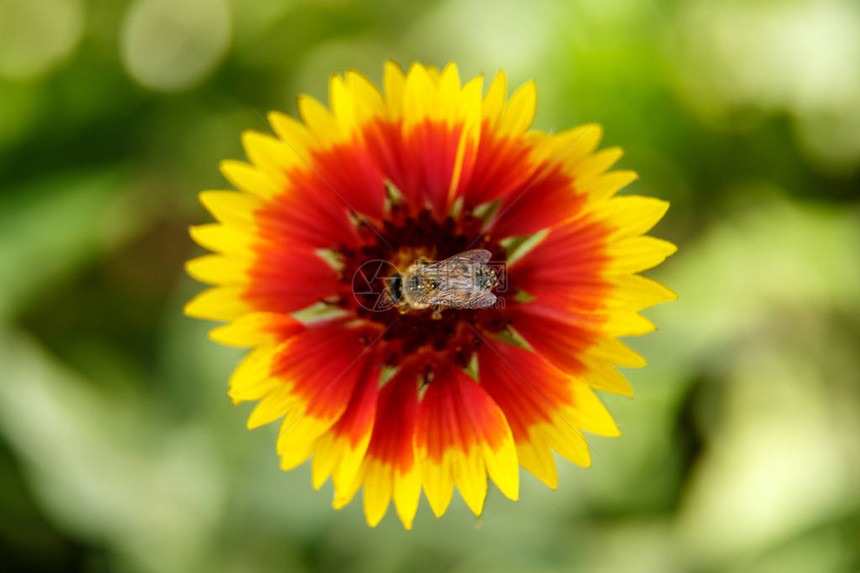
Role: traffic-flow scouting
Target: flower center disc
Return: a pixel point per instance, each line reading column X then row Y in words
column 410, row 334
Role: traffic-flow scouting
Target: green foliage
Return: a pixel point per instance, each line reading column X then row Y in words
column 118, row 447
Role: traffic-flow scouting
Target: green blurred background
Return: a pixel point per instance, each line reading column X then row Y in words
column 119, row 450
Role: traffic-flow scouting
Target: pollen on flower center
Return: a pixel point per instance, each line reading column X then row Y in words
column 414, row 334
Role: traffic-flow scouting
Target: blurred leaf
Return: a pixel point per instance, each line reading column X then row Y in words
column 104, row 468
column 52, row 226
column 20, row 105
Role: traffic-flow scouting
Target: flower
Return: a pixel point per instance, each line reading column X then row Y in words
column 309, row 260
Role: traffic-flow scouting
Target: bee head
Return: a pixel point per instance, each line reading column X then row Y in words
column 395, row 288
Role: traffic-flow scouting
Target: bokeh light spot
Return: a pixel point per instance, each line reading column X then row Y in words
column 35, row 35
column 172, row 45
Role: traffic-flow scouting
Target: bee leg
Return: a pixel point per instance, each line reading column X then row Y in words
column 437, row 312
column 403, row 308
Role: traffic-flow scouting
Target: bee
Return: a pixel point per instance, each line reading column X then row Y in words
column 462, row 281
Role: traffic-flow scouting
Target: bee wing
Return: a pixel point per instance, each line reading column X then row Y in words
column 485, row 300
column 479, row 256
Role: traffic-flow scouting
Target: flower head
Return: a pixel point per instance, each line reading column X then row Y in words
column 338, row 213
